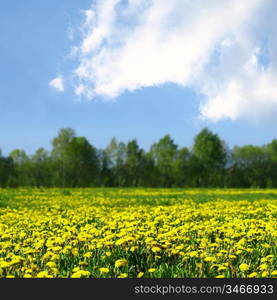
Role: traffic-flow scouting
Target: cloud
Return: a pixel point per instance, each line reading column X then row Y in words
column 251, row 94
column 58, row 84
column 225, row 50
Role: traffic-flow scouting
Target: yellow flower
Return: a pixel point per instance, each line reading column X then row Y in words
column 220, row 276
column 76, row 269
column 104, row 270
column 57, row 248
column 253, row 275
column 232, row 256
column 265, row 274
column 263, row 267
column 43, row 274
column 152, row 270
column 140, row 274
column 47, row 255
column 80, row 273
column 51, row 264
column 193, row 254
column 47, row 226
column 210, row 259
column 74, row 251
column 76, row 275
column 123, row 275
column 121, row 263
column 22, row 235
column 4, row 264
column 148, row 240
column 88, row 255
column 156, row 249
column 55, row 257
column 244, row 267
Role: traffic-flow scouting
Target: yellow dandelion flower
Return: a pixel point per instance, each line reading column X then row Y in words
column 80, row 273
column 156, row 249
column 121, row 263
column 123, row 275
column 263, row 267
column 253, row 275
column 210, row 259
column 51, row 264
column 152, row 270
column 88, row 255
column 43, row 274
column 104, row 270
column 244, row 267
column 265, row 274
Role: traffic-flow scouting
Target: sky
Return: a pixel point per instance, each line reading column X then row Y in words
column 137, row 69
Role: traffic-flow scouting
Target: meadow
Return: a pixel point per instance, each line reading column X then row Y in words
column 138, row 233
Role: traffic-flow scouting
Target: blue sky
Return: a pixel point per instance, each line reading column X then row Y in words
column 34, row 49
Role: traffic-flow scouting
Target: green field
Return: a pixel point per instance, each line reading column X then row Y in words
column 138, row 233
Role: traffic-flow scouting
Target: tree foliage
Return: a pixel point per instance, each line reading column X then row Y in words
column 74, row 162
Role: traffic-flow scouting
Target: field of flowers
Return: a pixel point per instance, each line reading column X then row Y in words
column 138, row 233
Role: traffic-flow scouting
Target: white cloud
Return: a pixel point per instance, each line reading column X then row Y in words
column 251, row 94
column 58, row 84
column 210, row 45
column 80, row 90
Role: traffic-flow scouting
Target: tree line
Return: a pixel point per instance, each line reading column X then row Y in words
column 75, row 162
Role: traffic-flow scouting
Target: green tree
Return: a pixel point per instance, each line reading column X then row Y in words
column 164, row 153
column 41, row 166
column 251, row 165
column 61, row 142
column 6, row 170
column 211, row 154
column 105, row 173
column 116, row 159
column 59, row 155
column 22, row 168
column 271, row 150
column 83, row 169
column 181, row 167
column 75, row 160
column 134, row 164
